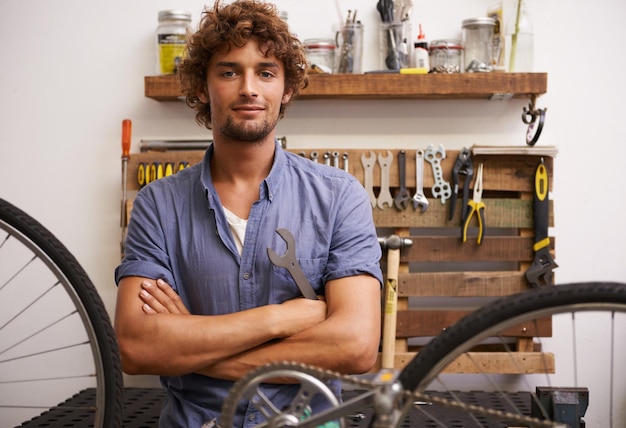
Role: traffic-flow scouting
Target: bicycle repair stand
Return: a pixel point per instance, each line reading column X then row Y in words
column 566, row 405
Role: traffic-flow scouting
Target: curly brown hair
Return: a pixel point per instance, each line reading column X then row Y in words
column 233, row 25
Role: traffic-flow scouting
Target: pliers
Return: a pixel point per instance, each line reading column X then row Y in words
column 462, row 166
column 476, row 205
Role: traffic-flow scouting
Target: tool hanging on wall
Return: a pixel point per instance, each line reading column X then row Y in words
column 476, row 205
column 126, row 136
column 463, row 166
column 535, row 119
column 540, row 271
column 403, row 197
column 419, row 199
column 384, row 197
column 441, row 188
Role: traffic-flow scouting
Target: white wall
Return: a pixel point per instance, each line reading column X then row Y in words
column 71, row 71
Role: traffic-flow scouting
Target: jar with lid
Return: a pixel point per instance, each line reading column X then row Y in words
column 446, row 56
column 320, row 55
column 171, row 37
column 478, row 44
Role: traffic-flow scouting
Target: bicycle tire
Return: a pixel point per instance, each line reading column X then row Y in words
column 503, row 313
column 79, row 287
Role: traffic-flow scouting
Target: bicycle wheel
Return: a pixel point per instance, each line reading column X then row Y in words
column 585, row 318
column 56, row 338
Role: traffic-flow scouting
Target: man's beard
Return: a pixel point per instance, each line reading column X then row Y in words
column 249, row 132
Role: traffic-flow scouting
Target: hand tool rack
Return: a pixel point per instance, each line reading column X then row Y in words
column 439, row 267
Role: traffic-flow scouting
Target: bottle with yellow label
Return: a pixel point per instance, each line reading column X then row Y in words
column 171, row 37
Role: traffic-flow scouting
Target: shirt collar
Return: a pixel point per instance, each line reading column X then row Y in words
column 270, row 184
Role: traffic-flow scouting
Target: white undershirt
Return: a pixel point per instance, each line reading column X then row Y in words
column 237, row 227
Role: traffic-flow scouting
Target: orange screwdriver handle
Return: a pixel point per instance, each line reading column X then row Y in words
column 126, row 134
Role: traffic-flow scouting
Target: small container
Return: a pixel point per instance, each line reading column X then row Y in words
column 394, row 44
column 478, row 44
column 446, row 56
column 320, row 55
column 420, row 53
column 171, row 37
column 349, row 42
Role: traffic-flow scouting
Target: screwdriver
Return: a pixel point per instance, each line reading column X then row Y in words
column 143, row 176
column 126, row 134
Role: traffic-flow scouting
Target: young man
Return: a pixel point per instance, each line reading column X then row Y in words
column 199, row 302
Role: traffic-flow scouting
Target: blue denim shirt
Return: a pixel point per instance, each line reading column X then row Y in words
column 178, row 232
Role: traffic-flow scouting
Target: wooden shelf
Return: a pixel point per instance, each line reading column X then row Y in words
column 393, row 86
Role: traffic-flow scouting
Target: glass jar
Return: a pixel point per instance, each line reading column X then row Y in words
column 171, row 37
column 320, row 55
column 478, row 44
column 446, row 56
column 520, row 40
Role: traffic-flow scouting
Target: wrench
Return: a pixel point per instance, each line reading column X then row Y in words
column 401, row 201
column 368, row 182
column 441, row 188
column 335, row 159
column 327, row 158
column 419, row 199
column 384, row 197
column 289, row 262
column 314, row 156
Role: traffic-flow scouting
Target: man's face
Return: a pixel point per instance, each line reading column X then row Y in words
column 245, row 89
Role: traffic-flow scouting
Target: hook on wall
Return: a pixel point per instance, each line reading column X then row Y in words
column 535, row 119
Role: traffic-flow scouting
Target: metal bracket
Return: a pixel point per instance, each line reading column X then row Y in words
column 501, row 96
column 563, row 405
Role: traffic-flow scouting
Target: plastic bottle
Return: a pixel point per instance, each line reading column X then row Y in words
column 420, row 55
column 520, row 43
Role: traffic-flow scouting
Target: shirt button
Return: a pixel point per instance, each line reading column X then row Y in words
column 252, row 418
column 247, row 275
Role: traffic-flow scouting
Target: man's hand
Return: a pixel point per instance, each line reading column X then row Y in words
column 159, row 298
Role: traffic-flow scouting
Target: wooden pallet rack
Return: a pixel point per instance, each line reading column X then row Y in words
column 439, row 265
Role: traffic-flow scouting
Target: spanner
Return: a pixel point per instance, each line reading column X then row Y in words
column 401, row 201
column 441, row 188
column 289, row 262
column 384, row 197
column 419, row 199
column 368, row 181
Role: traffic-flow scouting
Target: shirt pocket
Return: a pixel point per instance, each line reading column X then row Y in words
column 284, row 286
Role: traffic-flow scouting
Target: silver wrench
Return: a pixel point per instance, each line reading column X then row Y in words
column 384, row 197
column 441, row 188
column 368, row 180
column 419, row 199
column 289, row 262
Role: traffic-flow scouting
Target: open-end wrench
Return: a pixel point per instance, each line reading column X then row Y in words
column 368, row 180
column 419, row 199
column 401, row 201
column 384, row 197
column 441, row 188
column 289, row 262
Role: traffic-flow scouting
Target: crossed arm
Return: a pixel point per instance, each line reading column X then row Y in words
column 158, row 335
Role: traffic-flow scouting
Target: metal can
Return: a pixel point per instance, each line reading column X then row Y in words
column 320, row 55
column 446, row 56
column 478, row 44
column 171, row 38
